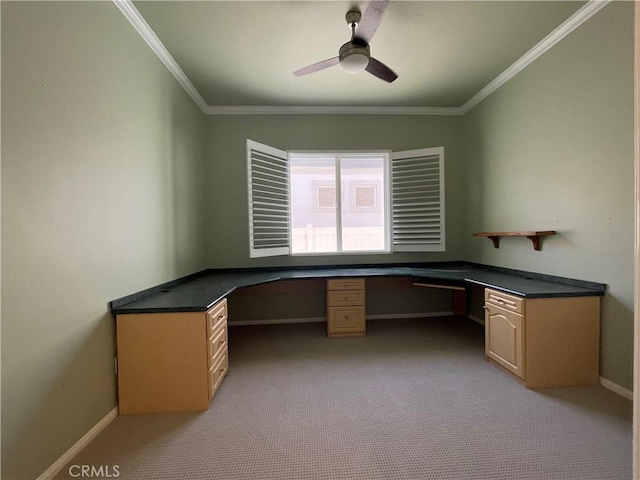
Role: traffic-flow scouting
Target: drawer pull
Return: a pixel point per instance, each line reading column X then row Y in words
column 501, row 301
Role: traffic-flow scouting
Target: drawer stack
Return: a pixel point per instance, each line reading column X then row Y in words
column 218, row 361
column 345, row 307
column 171, row 362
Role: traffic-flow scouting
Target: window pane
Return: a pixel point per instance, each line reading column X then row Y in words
column 362, row 207
column 313, row 204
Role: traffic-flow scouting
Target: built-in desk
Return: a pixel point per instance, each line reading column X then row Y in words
column 171, row 338
column 198, row 292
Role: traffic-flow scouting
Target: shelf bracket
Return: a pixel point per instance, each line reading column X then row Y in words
column 535, row 239
column 496, row 241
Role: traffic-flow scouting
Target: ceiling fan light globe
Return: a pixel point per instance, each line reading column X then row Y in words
column 355, row 62
column 354, row 58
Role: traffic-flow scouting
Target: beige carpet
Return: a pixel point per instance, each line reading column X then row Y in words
column 414, row 399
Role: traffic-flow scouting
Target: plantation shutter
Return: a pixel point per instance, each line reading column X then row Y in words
column 418, row 200
column 268, row 200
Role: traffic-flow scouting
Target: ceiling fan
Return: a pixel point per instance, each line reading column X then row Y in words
column 354, row 56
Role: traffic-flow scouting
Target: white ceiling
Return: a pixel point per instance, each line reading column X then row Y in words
column 243, row 53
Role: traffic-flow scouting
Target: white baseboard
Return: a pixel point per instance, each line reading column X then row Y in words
column 277, row 321
column 615, row 388
column 59, row 464
column 389, row 316
column 400, row 316
column 477, row 319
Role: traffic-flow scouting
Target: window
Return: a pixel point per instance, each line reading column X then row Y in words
column 365, row 196
column 326, row 196
column 315, row 203
column 333, row 206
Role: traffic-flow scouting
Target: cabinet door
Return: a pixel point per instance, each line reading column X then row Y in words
column 504, row 340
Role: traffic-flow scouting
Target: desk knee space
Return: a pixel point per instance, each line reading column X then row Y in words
column 459, row 296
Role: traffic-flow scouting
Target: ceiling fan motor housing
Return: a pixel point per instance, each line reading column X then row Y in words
column 354, row 57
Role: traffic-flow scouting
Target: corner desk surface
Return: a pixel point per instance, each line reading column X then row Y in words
column 198, row 292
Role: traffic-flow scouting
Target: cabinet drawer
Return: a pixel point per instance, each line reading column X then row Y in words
column 346, row 297
column 217, row 343
column 343, row 320
column 345, row 284
column 508, row 302
column 217, row 372
column 216, row 315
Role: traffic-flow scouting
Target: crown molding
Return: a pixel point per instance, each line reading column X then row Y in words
column 574, row 21
column 318, row 110
column 142, row 27
column 148, row 35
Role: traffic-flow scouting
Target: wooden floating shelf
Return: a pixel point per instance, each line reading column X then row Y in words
column 534, row 236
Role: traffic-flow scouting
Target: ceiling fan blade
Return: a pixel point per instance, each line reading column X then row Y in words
column 380, row 70
column 371, row 19
column 329, row 62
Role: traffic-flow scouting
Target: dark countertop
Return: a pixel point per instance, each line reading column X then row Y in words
column 197, row 292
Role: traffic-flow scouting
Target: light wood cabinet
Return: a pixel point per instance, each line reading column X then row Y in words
column 345, row 307
column 546, row 342
column 504, row 331
column 171, row 362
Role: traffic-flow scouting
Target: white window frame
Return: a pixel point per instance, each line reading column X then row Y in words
column 404, row 230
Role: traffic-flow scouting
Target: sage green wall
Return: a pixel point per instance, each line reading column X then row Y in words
column 553, row 150
column 101, row 164
column 227, row 240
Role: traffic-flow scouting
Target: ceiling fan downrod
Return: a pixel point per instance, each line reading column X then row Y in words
column 354, row 55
